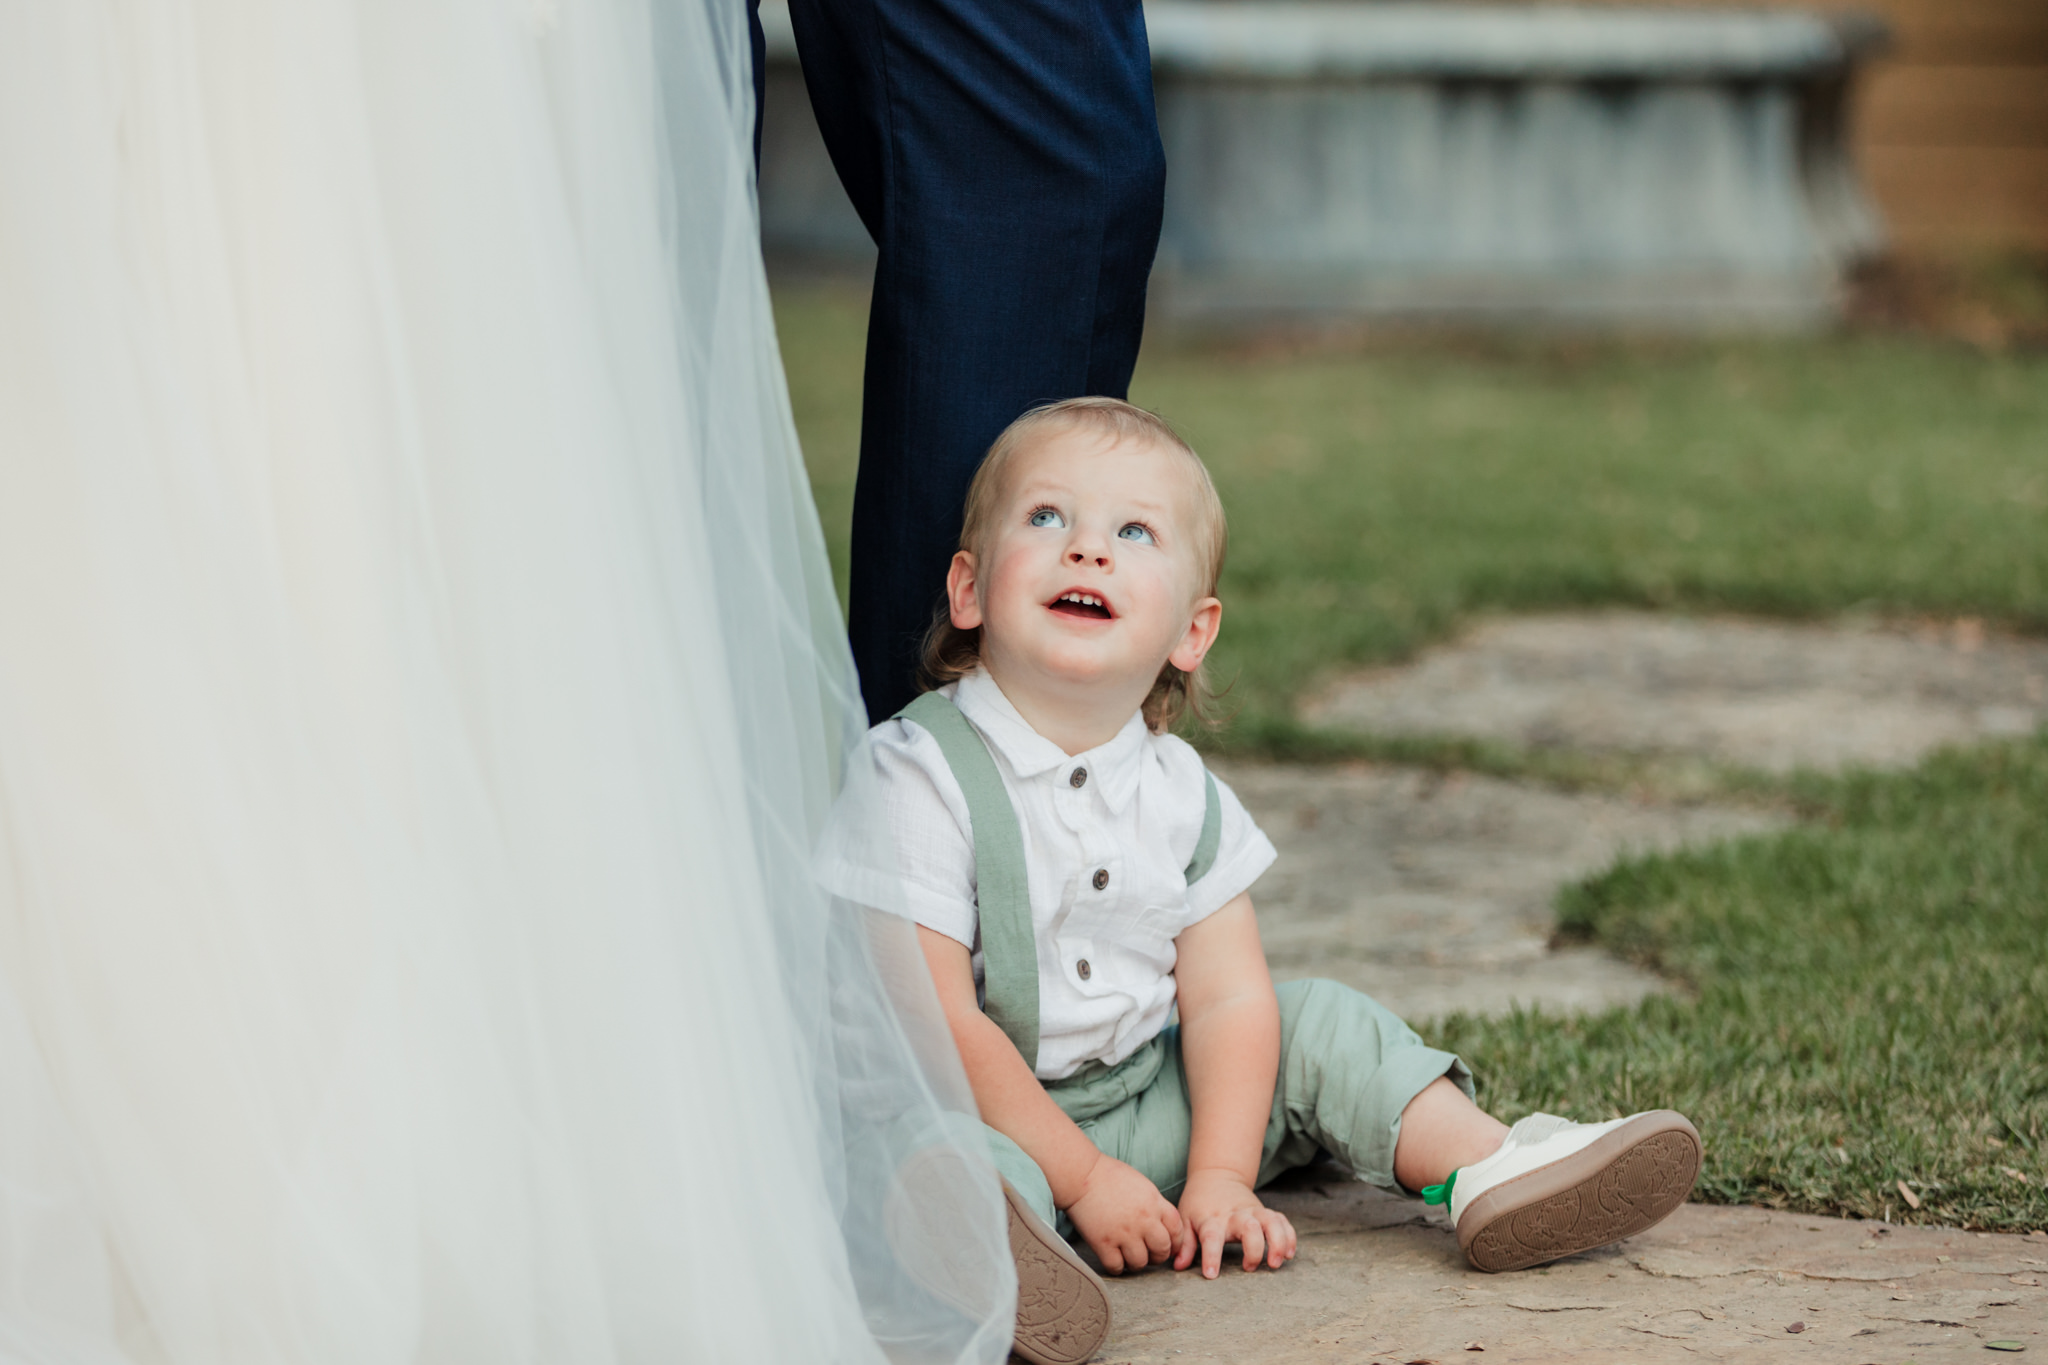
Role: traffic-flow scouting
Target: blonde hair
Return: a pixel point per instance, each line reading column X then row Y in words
column 951, row 653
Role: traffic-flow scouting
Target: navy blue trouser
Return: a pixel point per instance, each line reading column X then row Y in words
column 1005, row 157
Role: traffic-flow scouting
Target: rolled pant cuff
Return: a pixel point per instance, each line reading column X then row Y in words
column 1406, row 1073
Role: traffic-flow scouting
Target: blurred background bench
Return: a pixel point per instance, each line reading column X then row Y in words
column 1638, row 165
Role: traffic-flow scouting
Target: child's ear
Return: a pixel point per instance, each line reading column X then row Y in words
column 1187, row 656
column 961, row 602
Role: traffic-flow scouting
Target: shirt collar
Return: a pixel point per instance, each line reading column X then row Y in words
column 1116, row 765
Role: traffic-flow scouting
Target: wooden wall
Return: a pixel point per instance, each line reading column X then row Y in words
column 1952, row 125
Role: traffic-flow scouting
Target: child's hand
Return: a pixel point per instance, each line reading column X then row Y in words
column 1125, row 1218
column 1219, row 1207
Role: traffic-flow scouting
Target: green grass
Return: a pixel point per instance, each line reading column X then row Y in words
column 1378, row 498
column 1871, row 1007
column 1870, row 989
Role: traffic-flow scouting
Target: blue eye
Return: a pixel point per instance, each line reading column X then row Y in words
column 1136, row 531
column 1048, row 516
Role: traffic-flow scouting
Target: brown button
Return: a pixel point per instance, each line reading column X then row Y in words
column 1078, row 778
column 1101, row 878
column 1082, row 970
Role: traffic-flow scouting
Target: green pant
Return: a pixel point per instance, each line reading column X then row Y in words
column 1348, row 1067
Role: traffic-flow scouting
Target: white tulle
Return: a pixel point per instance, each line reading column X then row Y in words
column 420, row 688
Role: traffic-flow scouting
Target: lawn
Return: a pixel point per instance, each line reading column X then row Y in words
column 1377, row 498
column 1872, row 1000
column 1870, row 989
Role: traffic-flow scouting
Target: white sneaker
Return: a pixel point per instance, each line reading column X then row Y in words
column 1556, row 1188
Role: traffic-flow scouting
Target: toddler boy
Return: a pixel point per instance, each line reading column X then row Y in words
column 1077, row 876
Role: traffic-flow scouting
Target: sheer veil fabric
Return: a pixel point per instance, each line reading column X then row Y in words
column 420, row 691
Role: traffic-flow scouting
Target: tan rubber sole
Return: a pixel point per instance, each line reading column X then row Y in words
column 1628, row 1180
column 1062, row 1308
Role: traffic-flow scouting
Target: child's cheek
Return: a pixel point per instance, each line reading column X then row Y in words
column 1009, row 592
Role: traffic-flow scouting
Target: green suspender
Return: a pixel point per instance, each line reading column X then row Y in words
column 1212, row 831
column 1009, row 948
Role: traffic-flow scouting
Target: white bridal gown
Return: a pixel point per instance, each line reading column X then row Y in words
column 420, row 686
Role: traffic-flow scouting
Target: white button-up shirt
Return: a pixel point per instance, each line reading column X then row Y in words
column 1106, row 857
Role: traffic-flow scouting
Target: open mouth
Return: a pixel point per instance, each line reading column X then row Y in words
column 1083, row 604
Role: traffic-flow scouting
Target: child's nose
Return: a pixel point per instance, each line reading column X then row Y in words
column 1094, row 553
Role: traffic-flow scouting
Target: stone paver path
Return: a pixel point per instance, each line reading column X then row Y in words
column 1434, row 893
column 1763, row 694
column 1376, row 1282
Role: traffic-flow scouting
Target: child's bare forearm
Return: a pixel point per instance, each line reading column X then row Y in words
column 1015, row 1104
column 1230, row 1040
column 1232, row 1054
column 1010, row 1098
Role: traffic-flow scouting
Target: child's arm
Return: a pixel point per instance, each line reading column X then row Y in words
column 1121, row 1213
column 1230, row 1045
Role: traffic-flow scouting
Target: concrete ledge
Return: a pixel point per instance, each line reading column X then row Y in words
column 1789, row 301
column 1567, row 165
column 1287, row 40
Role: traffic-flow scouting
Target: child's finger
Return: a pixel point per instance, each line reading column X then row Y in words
column 1158, row 1240
column 1134, row 1252
column 1185, row 1245
column 1279, row 1239
column 1274, row 1239
column 1111, row 1258
column 1253, row 1239
column 1214, row 1233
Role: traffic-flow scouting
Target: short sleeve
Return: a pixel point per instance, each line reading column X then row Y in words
column 1243, row 853
column 899, row 838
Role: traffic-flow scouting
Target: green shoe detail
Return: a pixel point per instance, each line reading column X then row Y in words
column 1439, row 1194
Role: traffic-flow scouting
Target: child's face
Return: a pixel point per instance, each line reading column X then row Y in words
column 1109, row 523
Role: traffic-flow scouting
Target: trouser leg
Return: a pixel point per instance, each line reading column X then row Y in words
column 1348, row 1067
column 757, row 49
column 1006, row 160
column 1024, row 1176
